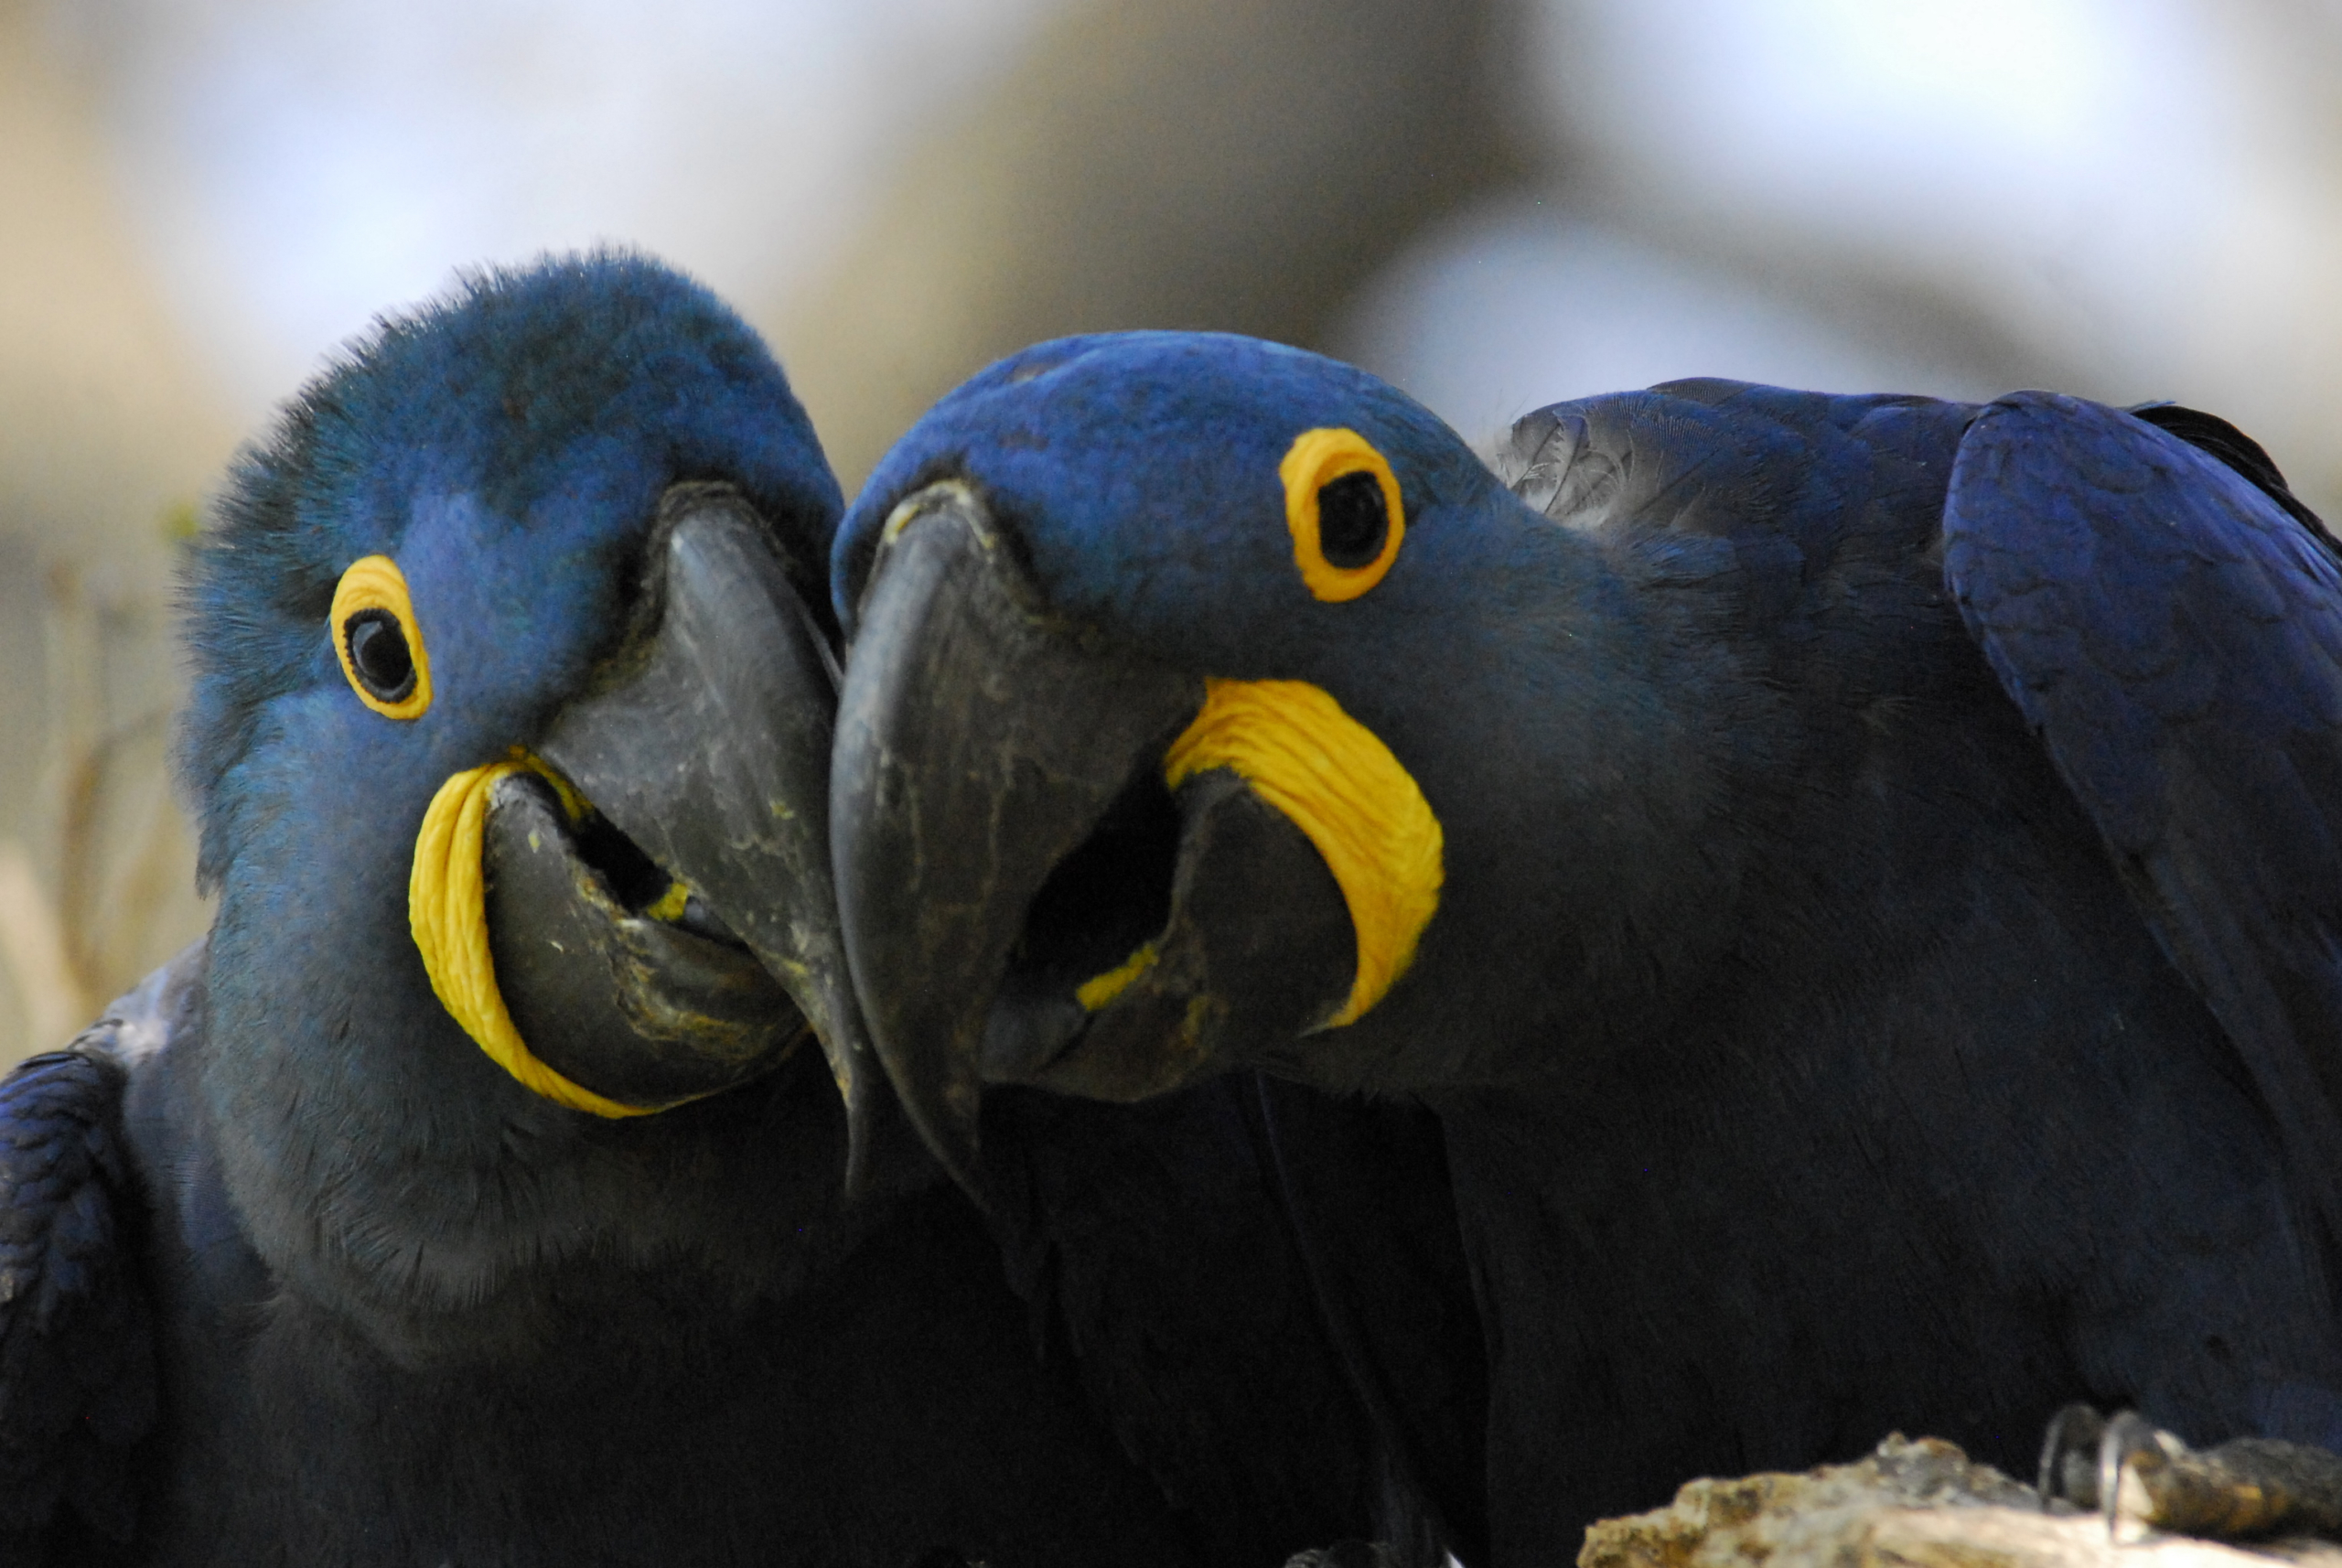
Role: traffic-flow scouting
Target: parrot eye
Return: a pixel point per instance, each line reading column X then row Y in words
column 377, row 641
column 1351, row 521
column 378, row 654
column 1341, row 503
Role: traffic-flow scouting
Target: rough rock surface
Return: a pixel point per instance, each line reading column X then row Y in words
column 1912, row 1504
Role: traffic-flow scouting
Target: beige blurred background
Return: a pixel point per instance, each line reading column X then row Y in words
column 1496, row 203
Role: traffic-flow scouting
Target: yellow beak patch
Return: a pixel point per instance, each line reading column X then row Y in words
column 1341, row 787
column 447, row 900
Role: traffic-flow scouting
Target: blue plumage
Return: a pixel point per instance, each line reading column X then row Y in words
column 2177, row 642
column 291, row 1270
column 1887, row 969
column 77, row 1377
column 538, row 417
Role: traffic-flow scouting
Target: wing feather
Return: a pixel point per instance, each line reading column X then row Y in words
column 2174, row 633
column 77, row 1363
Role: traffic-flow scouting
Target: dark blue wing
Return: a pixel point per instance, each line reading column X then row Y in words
column 77, row 1356
column 2210, row 433
column 2175, row 637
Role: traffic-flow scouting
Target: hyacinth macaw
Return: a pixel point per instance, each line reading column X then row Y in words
column 474, row 1192
column 1858, row 879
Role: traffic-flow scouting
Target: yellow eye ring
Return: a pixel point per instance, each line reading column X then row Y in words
column 375, row 637
column 1344, row 535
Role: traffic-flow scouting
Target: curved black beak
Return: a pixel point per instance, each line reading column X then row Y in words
column 705, row 743
column 1023, row 898
column 648, row 1009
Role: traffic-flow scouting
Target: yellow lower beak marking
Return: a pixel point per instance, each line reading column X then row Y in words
column 1099, row 990
column 447, row 910
column 1340, row 786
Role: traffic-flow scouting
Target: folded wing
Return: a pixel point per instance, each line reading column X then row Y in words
column 2173, row 631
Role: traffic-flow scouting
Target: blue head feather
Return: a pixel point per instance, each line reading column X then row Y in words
column 508, row 447
column 1141, row 471
column 1582, row 696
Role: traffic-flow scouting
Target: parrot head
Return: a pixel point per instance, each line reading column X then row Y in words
column 510, row 679
column 1211, row 702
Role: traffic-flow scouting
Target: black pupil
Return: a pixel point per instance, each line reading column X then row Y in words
column 377, row 653
column 1351, row 522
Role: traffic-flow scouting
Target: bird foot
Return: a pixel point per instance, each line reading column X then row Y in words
column 2141, row 1478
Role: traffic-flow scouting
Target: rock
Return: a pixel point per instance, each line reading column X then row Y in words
column 1912, row 1504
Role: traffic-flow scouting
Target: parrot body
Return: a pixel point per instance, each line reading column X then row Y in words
column 476, row 1193
column 1858, row 879
column 842, row 1388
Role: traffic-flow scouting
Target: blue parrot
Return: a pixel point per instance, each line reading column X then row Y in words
column 475, row 1192
column 1857, row 879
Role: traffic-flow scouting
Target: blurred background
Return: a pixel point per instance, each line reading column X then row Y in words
column 1495, row 203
